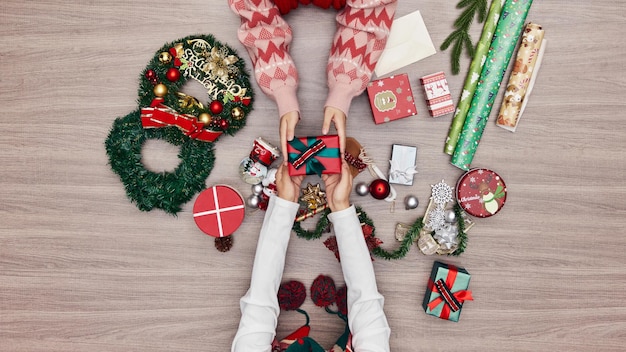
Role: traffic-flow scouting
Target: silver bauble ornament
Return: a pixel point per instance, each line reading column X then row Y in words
column 449, row 216
column 253, row 201
column 362, row 189
column 257, row 189
column 411, row 202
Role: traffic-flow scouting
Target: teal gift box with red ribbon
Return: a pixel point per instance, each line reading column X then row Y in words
column 314, row 155
column 447, row 291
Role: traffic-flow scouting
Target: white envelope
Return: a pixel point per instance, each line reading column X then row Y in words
column 408, row 42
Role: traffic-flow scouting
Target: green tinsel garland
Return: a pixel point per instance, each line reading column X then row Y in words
column 405, row 245
column 460, row 36
column 203, row 55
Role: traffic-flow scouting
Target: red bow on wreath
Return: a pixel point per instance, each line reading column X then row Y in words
column 284, row 6
column 159, row 115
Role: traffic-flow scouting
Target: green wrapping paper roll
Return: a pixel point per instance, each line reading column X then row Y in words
column 475, row 69
column 504, row 41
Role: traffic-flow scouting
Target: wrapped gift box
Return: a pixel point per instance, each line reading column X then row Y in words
column 391, row 98
column 446, row 292
column 438, row 96
column 314, row 155
column 219, row 210
column 402, row 164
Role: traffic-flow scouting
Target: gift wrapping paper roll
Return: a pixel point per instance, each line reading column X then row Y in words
column 524, row 68
column 505, row 39
column 475, row 69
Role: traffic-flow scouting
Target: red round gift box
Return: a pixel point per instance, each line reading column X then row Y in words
column 219, row 210
column 481, row 192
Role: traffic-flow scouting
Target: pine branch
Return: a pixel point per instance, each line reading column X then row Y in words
column 460, row 37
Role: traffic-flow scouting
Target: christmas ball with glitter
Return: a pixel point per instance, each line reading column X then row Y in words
column 237, row 113
column 165, row 57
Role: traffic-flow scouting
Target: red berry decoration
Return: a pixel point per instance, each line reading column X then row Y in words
column 150, row 74
column 216, row 107
column 173, row 74
column 224, row 124
column 380, row 189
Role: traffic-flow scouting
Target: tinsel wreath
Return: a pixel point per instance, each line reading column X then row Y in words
column 410, row 237
column 167, row 114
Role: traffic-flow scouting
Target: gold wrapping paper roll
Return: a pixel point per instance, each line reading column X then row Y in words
column 523, row 73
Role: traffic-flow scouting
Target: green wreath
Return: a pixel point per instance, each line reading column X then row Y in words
column 167, row 114
column 323, row 223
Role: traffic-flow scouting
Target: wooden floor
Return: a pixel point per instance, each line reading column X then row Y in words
column 82, row 269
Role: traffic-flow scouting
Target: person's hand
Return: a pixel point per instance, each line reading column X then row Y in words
column 287, row 129
column 339, row 119
column 338, row 187
column 287, row 187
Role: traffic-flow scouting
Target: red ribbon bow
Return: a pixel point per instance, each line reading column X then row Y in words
column 453, row 300
column 159, row 115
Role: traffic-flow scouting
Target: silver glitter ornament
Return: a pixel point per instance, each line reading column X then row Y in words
column 253, row 201
column 362, row 189
column 449, row 216
column 411, row 202
column 257, row 189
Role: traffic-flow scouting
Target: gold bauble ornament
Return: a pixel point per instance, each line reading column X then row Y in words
column 165, row 57
column 237, row 113
column 160, row 90
column 205, row 118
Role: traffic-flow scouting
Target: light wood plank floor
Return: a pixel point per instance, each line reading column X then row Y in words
column 82, row 269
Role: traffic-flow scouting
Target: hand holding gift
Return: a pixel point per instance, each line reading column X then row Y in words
column 314, row 155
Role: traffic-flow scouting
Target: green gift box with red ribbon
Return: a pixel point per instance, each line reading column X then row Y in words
column 314, row 155
column 447, row 291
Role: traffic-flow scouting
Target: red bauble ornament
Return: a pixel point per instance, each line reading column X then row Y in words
column 216, row 107
column 224, row 124
column 173, row 74
column 380, row 189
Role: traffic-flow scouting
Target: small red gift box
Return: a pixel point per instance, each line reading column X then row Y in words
column 438, row 95
column 314, row 155
column 391, row 98
column 219, row 210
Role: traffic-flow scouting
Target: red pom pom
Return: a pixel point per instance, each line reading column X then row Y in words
column 367, row 230
column 291, row 295
column 284, row 6
column 322, row 3
column 323, row 291
column 342, row 301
